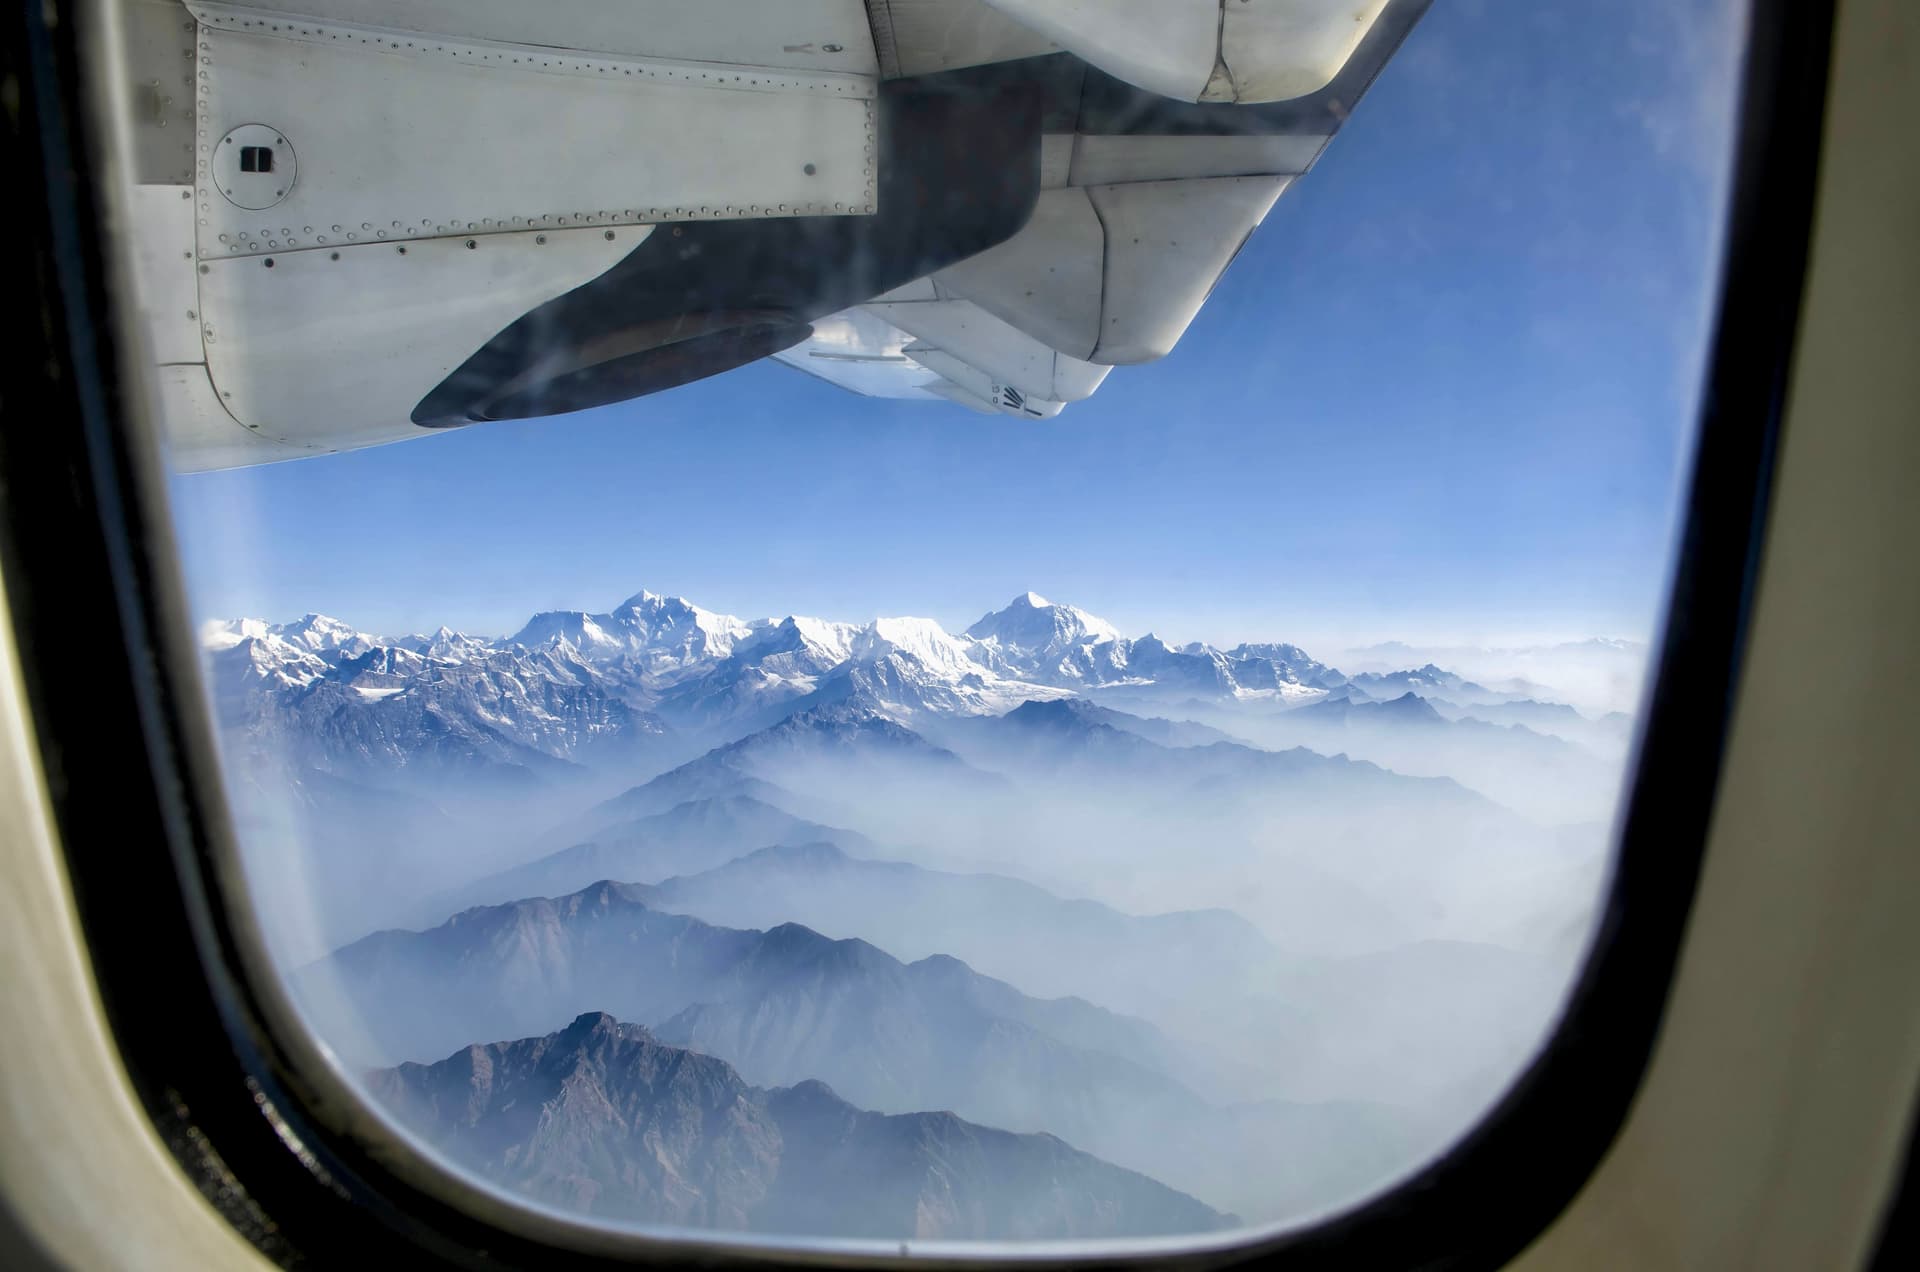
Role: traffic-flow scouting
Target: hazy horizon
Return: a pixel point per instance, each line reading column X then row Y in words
column 1561, row 666
column 494, row 621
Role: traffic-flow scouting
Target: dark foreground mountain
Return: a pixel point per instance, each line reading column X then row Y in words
column 601, row 1118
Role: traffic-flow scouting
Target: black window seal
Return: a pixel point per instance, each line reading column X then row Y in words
column 118, row 719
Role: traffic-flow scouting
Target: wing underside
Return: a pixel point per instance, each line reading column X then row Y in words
column 1105, row 274
column 1137, row 219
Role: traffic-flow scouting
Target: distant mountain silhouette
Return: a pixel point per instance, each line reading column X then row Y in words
column 1082, row 742
column 999, row 925
column 603, row 1119
column 850, row 744
column 693, row 836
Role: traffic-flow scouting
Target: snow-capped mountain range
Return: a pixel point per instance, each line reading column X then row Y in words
column 569, row 682
column 663, row 633
column 660, row 679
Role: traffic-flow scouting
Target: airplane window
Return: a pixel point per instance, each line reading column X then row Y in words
column 958, row 621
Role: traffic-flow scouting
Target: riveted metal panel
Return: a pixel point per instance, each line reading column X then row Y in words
column 160, row 63
column 161, row 227
column 329, row 349
column 200, row 435
column 404, row 137
column 806, row 35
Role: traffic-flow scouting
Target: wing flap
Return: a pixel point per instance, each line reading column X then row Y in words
column 1113, row 274
column 862, row 353
column 1168, row 242
column 1003, row 352
column 1045, row 280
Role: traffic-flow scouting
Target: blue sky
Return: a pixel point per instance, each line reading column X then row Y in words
column 1446, row 393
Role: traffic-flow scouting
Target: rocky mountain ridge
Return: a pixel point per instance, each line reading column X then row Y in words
column 602, row 1118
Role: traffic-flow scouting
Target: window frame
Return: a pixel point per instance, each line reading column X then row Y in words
column 284, row 1152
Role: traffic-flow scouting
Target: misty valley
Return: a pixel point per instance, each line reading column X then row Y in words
column 1032, row 931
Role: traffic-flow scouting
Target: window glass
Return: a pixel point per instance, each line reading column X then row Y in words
column 928, row 622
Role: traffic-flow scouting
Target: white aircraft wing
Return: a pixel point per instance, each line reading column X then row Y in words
column 366, row 221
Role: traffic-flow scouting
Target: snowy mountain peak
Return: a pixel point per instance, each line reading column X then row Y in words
column 225, row 633
column 903, row 685
column 829, row 643
column 445, row 645
column 654, row 607
column 576, row 627
column 313, row 641
column 923, row 638
column 662, row 632
column 318, row 632
column 1032, row 623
